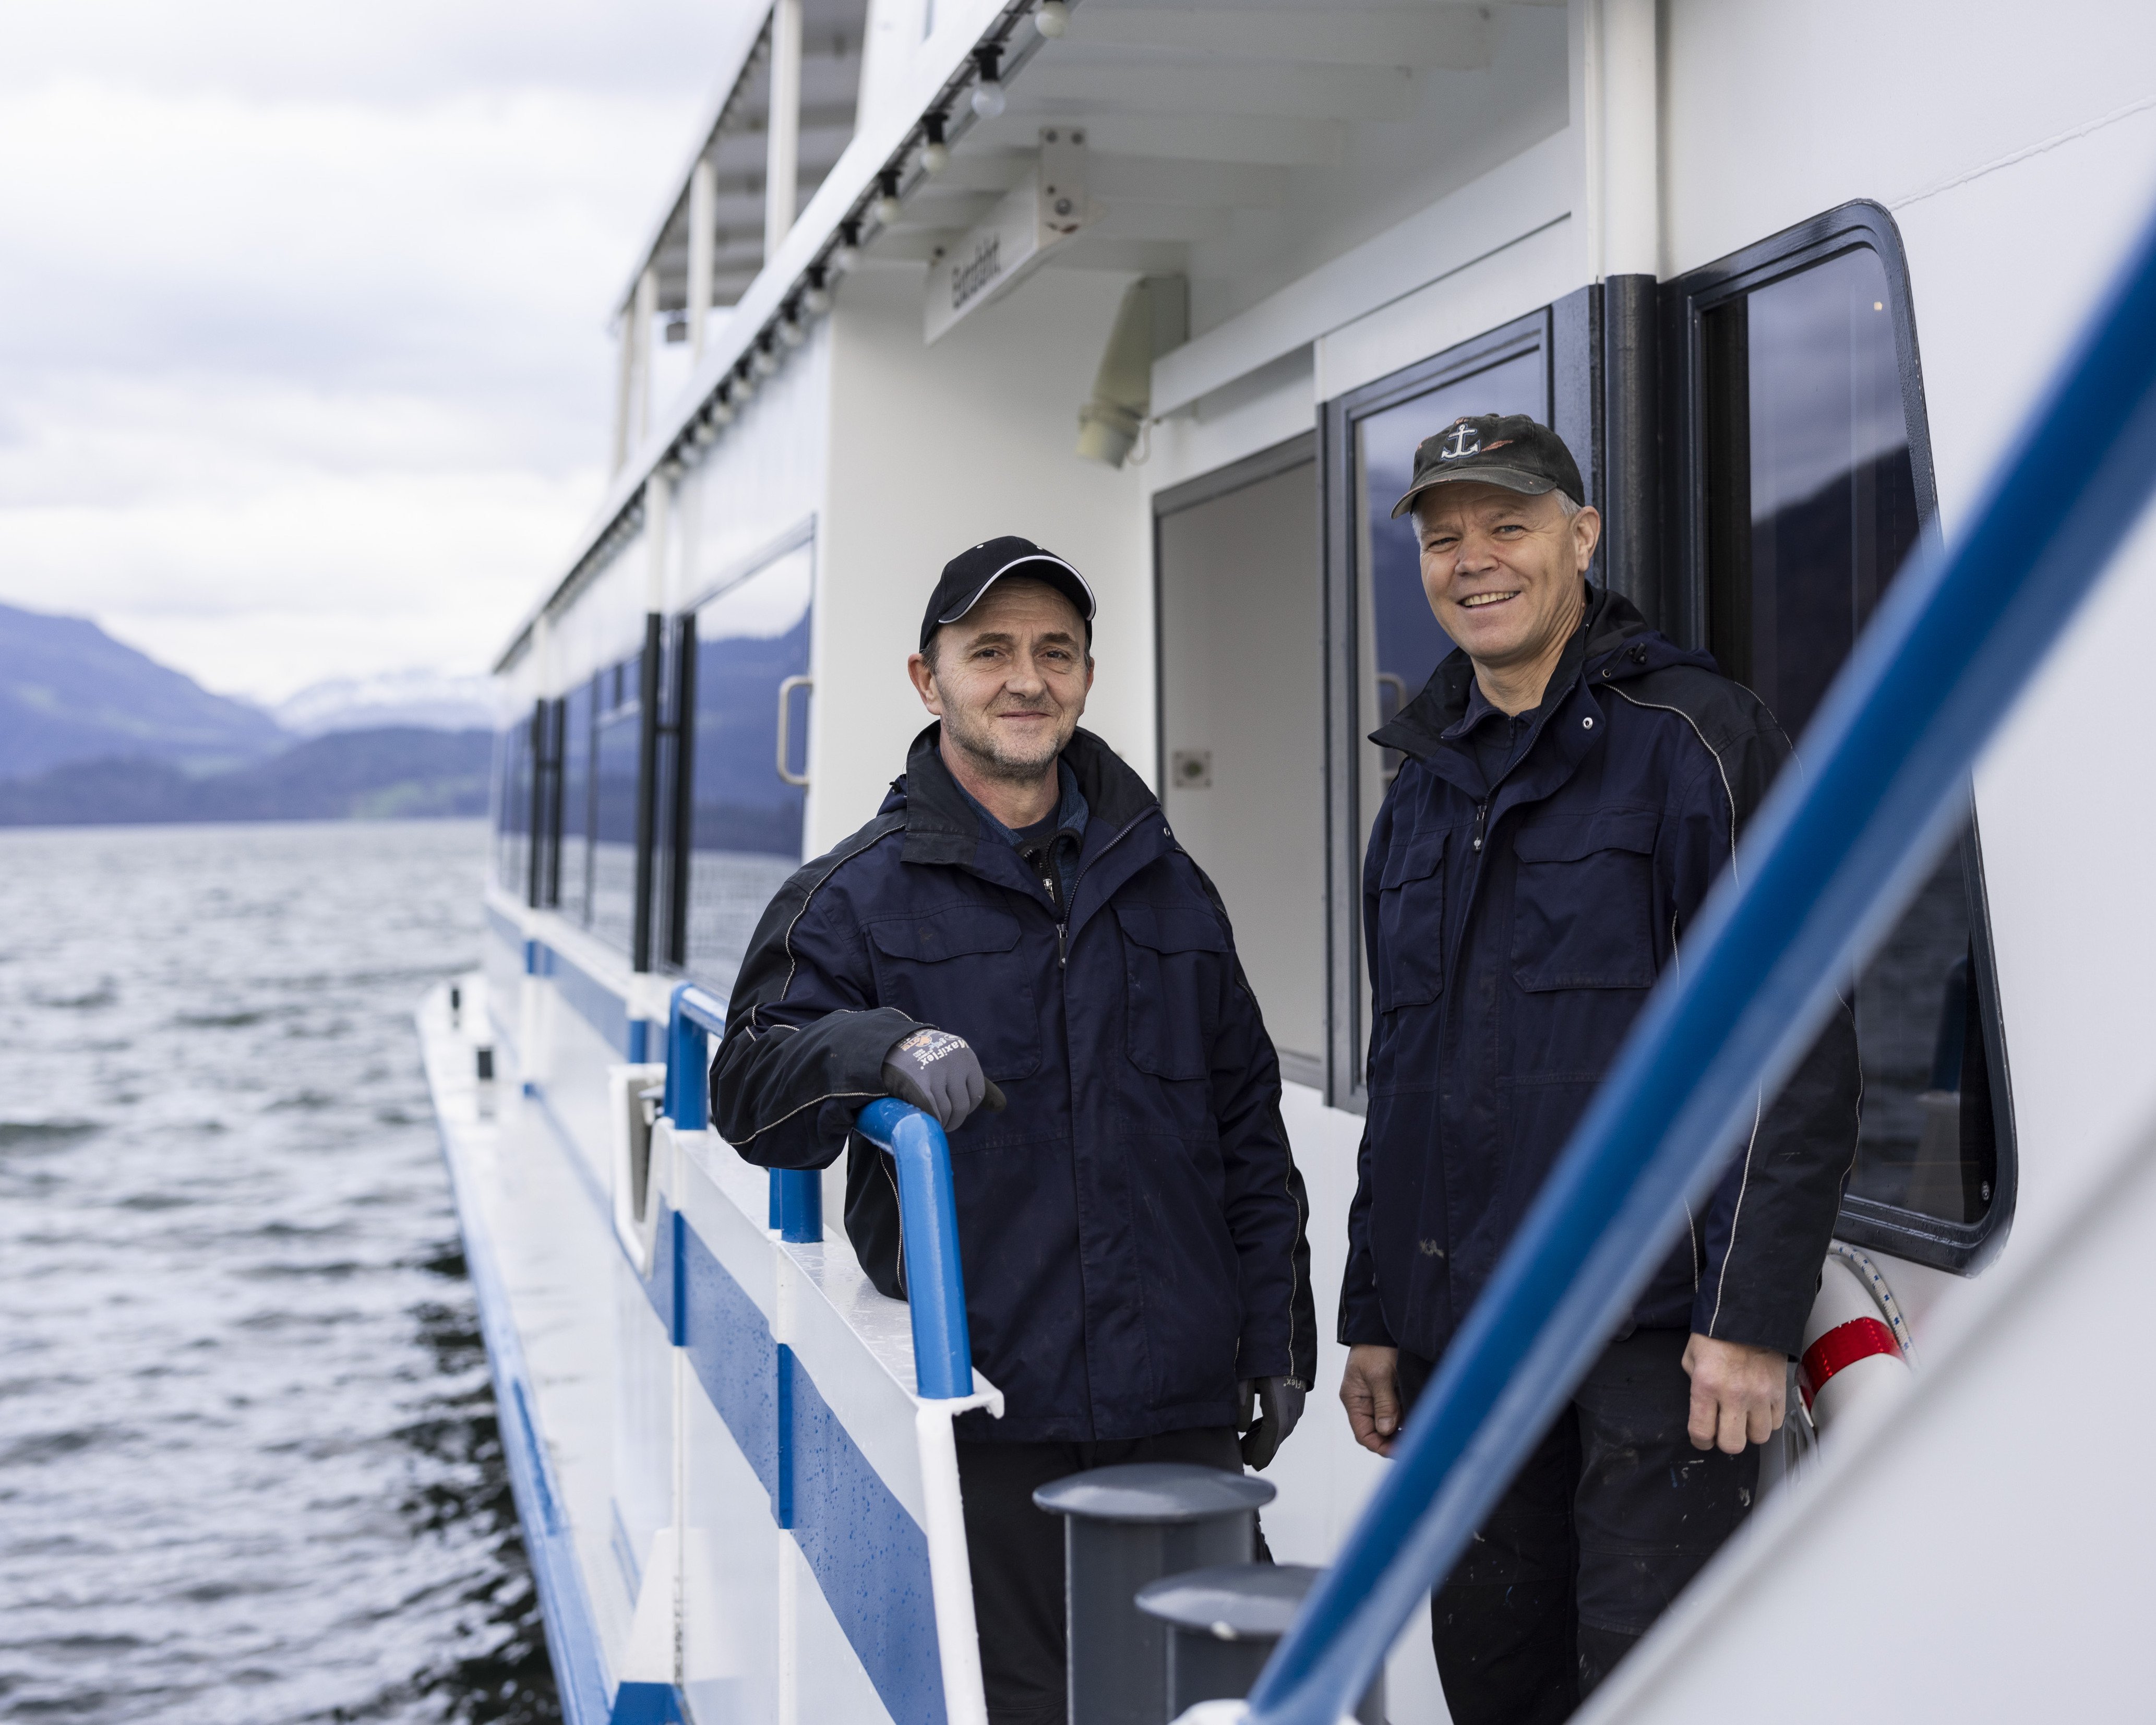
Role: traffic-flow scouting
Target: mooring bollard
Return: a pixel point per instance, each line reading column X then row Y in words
column 1223, row 1625
column 1123, row 1529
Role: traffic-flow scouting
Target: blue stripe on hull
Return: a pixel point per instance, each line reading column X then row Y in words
column 869, row 1556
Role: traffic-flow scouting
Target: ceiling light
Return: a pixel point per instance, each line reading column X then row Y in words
column 1051, row 18
column 935, row 154
column 987, row 93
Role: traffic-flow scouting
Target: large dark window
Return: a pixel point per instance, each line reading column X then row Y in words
column 1384, row 640
column 574, row 864
column 746, row 762
column 1806, row 477
column 617, row 756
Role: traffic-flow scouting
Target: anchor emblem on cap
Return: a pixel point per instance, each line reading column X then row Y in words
column 1465, row 440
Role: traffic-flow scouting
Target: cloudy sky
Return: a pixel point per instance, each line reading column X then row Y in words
column 303, row 369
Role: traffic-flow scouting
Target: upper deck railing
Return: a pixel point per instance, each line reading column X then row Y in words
column 1834, row 856
column 928, row 1209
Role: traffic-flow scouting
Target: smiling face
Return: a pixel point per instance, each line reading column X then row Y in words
column 1008, row 679
column 1503, row 575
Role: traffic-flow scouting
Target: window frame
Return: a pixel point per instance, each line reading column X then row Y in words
column 1346, row 822
column 1959, row 1248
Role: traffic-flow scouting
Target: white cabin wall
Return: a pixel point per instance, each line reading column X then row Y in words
column 933, row 451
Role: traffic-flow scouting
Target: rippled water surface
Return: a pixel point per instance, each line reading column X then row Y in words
column 249, row 1468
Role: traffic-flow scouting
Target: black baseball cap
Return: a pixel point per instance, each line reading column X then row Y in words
column 970, row 574
column 1508, row 449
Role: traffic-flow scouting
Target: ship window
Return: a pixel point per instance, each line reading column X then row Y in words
column 746, row 803
column 1386, row 640
column 1811, row 476
column 1242, row 721
column 545, row 881
column 512, row 849
column 616, row 763
column 575, row 862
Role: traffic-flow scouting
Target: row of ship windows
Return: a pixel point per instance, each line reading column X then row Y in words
column 660, row 805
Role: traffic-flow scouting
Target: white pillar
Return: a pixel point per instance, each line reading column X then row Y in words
column 658, row 529
column 624, row 384
column 642, row 312
column 1624, row 133
column 781, row 161
column 703, row 195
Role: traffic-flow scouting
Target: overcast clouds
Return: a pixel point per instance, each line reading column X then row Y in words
column 303, row 369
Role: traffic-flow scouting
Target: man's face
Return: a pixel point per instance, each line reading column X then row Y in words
column 1010, row 679
column 1502, row 571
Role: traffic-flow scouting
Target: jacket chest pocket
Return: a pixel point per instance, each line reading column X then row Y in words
column 1583, row 907
column 1410, row 959
column 963, row 970
column 1173, row 957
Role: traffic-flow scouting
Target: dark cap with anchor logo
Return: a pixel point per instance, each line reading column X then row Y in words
column 1508, row 449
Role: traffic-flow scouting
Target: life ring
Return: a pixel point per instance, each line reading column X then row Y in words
column 1856, row 1346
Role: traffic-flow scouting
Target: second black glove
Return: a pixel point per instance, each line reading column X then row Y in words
column 940, row 1075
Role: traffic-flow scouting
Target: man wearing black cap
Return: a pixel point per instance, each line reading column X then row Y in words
column 1574, row 782
column 1017, row 944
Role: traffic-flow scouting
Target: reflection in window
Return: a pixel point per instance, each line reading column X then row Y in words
column 615, row 766
column 512, row 850
column 1811, row 508
column 745, row 819
column 575, row 862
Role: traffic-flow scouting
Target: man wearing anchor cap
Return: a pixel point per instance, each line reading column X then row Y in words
column 1573, row 783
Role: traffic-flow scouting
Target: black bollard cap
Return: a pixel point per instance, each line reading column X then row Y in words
column 1155, row 1491
column 1237, row 1601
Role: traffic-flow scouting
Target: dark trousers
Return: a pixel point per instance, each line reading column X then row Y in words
column 1612, row 1513
column 1016, row 1550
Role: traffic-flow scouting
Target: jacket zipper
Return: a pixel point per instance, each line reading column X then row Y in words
column 1062, row 949
column 1481, row 816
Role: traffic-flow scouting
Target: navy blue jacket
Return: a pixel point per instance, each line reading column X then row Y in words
column 1131, row 1226
column 1513, row 931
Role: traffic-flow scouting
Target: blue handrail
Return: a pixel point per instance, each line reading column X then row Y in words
column 694, row 1017
column 1833, row 858
column 929, row 1228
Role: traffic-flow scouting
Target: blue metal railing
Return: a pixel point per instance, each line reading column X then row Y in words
column 1833, row 858
column 697, row 1015
column 928, row 1231
column 927, row 1205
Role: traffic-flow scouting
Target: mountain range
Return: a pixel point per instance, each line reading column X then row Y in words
column 94, row 732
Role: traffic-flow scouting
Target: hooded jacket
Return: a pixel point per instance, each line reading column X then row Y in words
column 1513, row 931
column 1132, row 1225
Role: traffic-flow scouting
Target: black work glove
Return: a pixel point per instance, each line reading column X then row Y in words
column 1278, row 1407
column 940, row 1075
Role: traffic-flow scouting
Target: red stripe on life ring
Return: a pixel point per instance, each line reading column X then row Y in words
column 1840, row 1348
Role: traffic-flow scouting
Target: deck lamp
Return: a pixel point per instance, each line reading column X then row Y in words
column 887, row 208
column 816, row 301
column 722, row 410
column 1051, row 18
column 935, row 154
column 987, row 93
column 764, row 362
column 744, row 382
column 789, row 328
column 847, row 252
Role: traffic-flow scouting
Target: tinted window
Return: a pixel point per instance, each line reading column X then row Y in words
column 615, row 769
column 512, row 852
column 744, row 817
column 575, row 865
column 1812, row 505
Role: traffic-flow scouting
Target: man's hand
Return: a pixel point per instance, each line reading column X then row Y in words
column 1264, row 1429
column 940, row 1075
column 1370, row 1391
column 1738, row 1394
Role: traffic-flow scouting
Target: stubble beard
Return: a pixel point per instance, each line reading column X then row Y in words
column 977, row 742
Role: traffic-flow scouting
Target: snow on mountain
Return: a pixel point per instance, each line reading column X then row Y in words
column 425, row 698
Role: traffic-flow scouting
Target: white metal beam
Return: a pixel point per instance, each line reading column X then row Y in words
column 1455, row 37
column 703, row 180
column 783, row 133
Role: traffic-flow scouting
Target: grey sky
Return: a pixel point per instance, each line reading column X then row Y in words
column 303, row 365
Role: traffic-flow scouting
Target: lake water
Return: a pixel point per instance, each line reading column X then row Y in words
column 248, row 1467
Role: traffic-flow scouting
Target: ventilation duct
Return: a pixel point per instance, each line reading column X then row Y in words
column 1153, row 317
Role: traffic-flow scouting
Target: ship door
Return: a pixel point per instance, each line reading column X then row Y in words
column 1242, row 721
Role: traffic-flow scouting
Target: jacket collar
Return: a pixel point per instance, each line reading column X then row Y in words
column 941, row 825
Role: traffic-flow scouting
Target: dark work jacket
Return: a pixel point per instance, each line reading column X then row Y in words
column 1131, row 1226
column 1512, row 936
